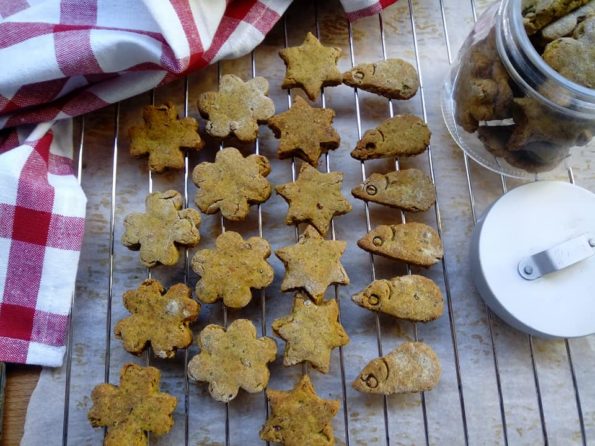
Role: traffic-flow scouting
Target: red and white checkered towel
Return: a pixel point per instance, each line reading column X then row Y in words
column 63, row 58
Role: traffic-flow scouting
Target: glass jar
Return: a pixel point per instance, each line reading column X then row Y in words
column 506, row 107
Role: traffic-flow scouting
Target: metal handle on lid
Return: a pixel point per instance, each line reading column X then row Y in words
column 557, row 257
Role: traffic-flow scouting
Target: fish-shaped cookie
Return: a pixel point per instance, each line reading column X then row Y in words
column 414, row 298
column 401, row 135
column 391, row 78
column 411, row 367
column 415, row 243
column 408, row 189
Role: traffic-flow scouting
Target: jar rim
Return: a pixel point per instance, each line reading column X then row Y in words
column 574, row 91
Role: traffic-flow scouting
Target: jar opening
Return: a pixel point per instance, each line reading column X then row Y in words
column 530, row 71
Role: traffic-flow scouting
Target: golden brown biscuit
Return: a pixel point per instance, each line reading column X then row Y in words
column 407, row 189
column 232, row 183
column 539, row 13
column 132, row 409
column 311, row 66
column 312, row 264
column 304, row 131
column 411, row 367
column 161, row 229
column 413, row 298
column 159, row 318
column 237, row 108
column 402, row 135
column 229, row 271
column 311, row 331
column 415, row 243
column 314, row 198
column 574, row 57
column 391, row 78
column 299, row 417
column 232, row 358
column 565, row 25
column 162, row 136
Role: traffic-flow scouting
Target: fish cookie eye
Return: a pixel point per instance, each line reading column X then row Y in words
column 371, row 381
column 359, row 75
column 371, row 189
column 373, row 299
column 377, row 241
column 370, row 146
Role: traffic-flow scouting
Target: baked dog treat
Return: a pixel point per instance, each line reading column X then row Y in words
column 229, row 271
column 566, row 25
column 300, row 417
column 312, row 264
column 540, row 13
column 574, row 57
column 232, row 183
column 132, row 409
column 411, row 367
column 159, row 231
column 415, row 243
column 407, row 189
column 305, row 132
column 482, row 91
column 311, row 331
column 237, row 108
column 536, row 124
column 232, row 358
column 162, row 137
column 401, row 135
column 413, row 298
column 311, row 66
column 314, row 198
column 158, row 318
column 391, row 78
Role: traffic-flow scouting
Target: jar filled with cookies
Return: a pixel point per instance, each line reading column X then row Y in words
column 521, row 96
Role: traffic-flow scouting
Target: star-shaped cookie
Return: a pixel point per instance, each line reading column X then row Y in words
column 162, row 136
column 232, row 183
column 159, row 318
column 304, row 131
column 311, row 331
column 237, row 108
column 232, row 268
column 232, row 358
column 311, row 66
column 133, row 408
column 314, row 198
column 300, row 417
column 313, row 264
column 159, row 231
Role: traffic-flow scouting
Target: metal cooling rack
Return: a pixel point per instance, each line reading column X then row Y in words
column 498, row 410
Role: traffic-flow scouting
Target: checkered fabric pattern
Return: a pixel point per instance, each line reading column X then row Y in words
column 63, row 58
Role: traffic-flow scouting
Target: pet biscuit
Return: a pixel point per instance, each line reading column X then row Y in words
column 159, row 231
column 159, row 318
column 391, row 78
column 232, row 359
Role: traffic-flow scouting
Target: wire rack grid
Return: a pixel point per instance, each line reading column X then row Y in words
column 498, row 386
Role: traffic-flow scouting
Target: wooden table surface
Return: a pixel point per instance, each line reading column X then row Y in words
column 21, row 381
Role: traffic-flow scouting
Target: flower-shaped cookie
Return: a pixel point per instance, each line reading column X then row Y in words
column 300, row 417
column 232, row 268
column 311, row 66
column 132, row 409
column 237, row 108
column 232, row 358
column 232, row 183
column 311, row 332
column 159, row 231
column 304, row 131
column 313, row 264
column 315, row 198
column 162, row 136
column 159, row 318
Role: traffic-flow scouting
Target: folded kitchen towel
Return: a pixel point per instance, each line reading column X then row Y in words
column 63, row 58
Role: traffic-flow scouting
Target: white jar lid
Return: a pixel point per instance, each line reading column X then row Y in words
column 537, row 227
